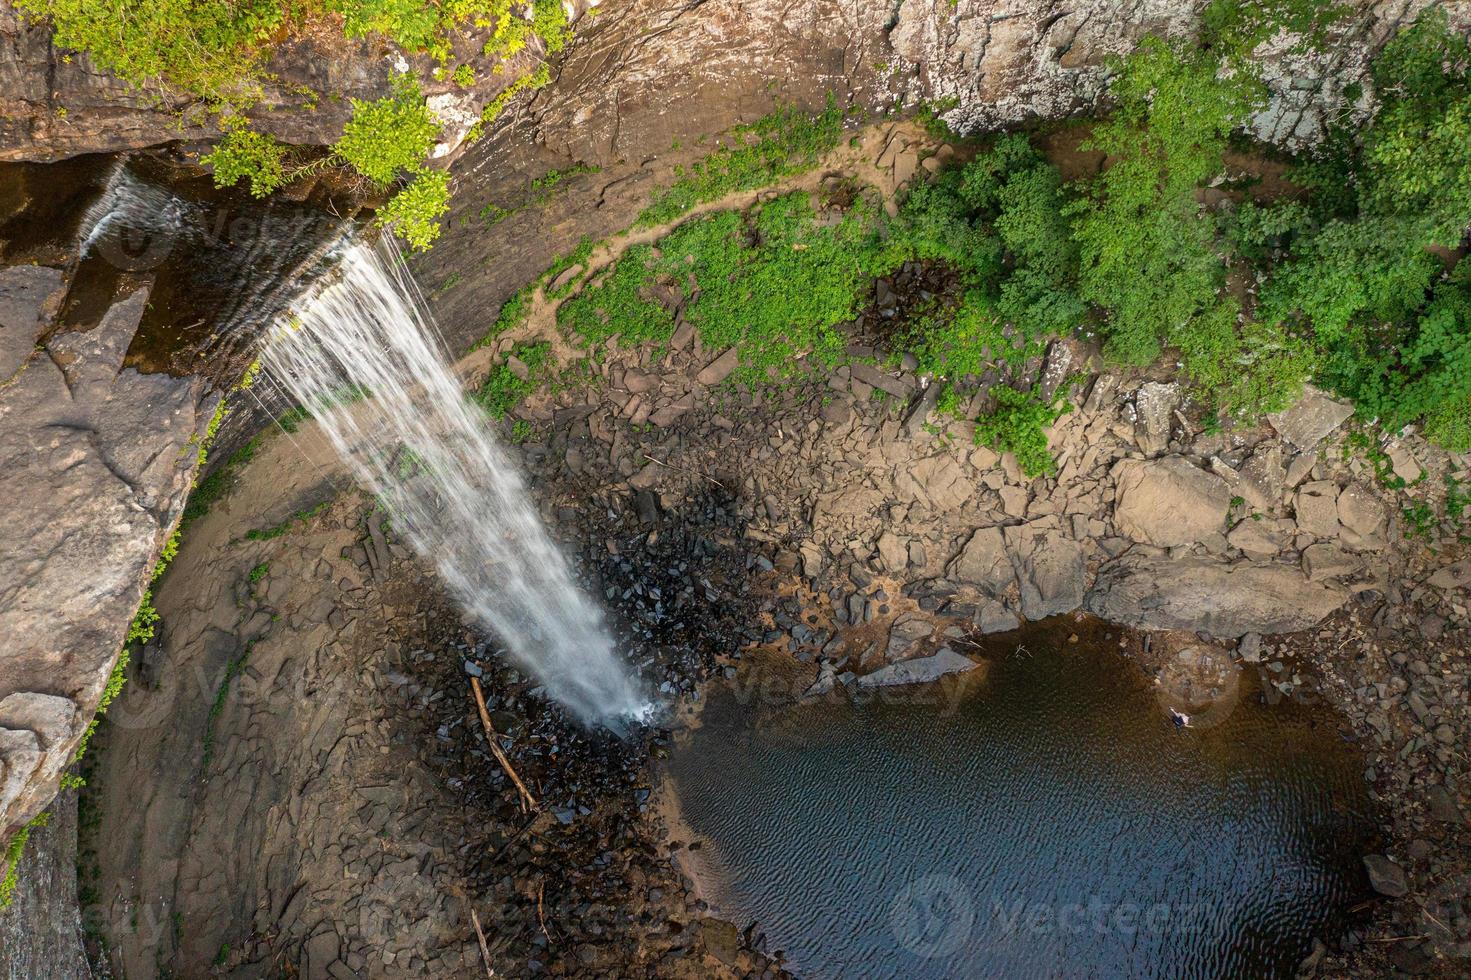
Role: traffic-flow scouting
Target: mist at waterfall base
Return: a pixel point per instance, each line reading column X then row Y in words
column 427, row 453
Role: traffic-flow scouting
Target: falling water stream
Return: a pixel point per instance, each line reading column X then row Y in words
column 426, row 452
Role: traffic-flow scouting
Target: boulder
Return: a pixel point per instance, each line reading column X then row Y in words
column 1209, row 596
column 920, row 670
column 1257, row 539
column 992, row 616
column 905, row 634
column 1169, row 502
column 720, row 368
column 1155, row 404
column 29, row 297
column 1386, row 877
column 1325, row 560
column 96, row 460
column 1312, row 419
column 1362, row 518
column 1316, row 507
column 893, row 551
column 1263, row 478
column 1049, row 567
column 936, row 480
column 984, row 562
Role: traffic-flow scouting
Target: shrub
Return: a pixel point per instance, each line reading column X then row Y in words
column 1017, row 426
column 1146, row 250
column 244, row 154
column 389, row 135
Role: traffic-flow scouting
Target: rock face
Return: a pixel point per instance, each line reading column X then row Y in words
column 920, row 670
column 998, row 64
column 56, row 104
column 1169, row 502
column 95, row 463
column 1210, row 596
column 41, row 931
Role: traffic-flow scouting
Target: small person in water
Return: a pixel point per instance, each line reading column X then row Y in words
column 1180, row 719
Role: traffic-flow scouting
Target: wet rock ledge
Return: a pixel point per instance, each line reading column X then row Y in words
column 96, row 460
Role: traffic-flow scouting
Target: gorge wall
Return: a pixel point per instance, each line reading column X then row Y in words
column 99, row 457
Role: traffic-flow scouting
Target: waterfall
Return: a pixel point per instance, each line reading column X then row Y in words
column 428, row 455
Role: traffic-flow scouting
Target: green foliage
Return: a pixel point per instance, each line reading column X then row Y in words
column 1390, row 332
column 390, row 134
column 619, row 305
column 776, row 288
column 1147, row 252
column 12, row 855
column 288, row 525
column 259, row 572
column 504, row 388
column 786, row 142
column 964, row 342
column 1418, row 150
column 1022, row 197
column 1017, row 426
column 243, row 154
column 937, row 225
column 1238, row 26
column 207, row 48
column 414, row 212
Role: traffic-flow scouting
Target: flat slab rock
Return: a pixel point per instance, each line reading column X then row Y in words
column 1169, row 502
column 920, row 670
column 1312, row 419
column 95, row 463
column 1210, row 596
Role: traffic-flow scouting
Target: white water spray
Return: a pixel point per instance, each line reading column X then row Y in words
column 426, row 452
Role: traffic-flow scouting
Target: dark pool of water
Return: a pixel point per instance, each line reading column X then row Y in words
column 1049, row 821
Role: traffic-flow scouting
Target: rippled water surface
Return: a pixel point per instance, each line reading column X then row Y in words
column 1047, row 821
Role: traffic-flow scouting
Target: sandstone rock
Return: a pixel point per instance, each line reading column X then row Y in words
column 720, row 368
column 1209, row 596
column 1258, row 539
column 1316, row 508
column 1455, row 576
column 937, row 481
column 1263, row 478
column 1155, row 403
column 1404, row 463
column 1049, row 567
column 1362, row 517
column 1325, row 560
column 984, row 562
column 1168, row 502
column 893, row 551
column 920, row 670
column 673, row 411
column 874, row 378
column 992, row 616
column 29, row 297
column 86, row 444
column 1312, row 419
column 904, row 634
column 1014, row 501
column 1386, row 877
column 923, row 407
